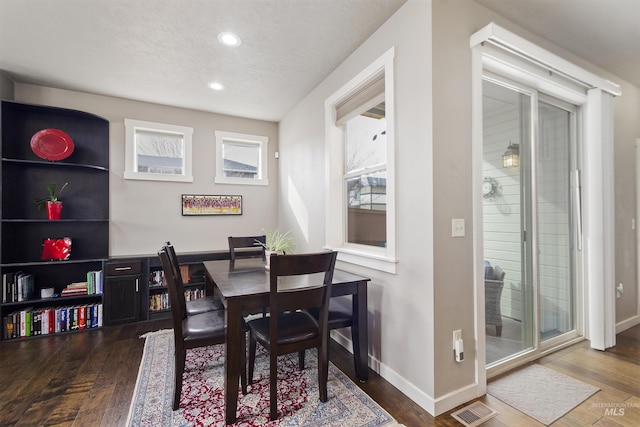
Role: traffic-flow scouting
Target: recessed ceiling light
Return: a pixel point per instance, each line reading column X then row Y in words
column 216, row 86
column 229, row 39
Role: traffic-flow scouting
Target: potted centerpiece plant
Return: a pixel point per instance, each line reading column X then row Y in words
column 277, row 243
column 53, row 205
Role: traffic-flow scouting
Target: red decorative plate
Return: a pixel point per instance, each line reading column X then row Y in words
column 52, row 144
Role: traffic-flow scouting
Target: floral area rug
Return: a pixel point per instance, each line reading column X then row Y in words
column 202, row 400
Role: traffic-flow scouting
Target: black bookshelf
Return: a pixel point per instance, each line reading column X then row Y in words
column 85, row 216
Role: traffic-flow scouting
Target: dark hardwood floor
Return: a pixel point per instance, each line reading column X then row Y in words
column 87, row 379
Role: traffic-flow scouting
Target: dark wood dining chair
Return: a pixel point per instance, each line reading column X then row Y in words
column 341, row 316
column 248, row 245
column 289, row 327
column 192, row 331
column 197, row 306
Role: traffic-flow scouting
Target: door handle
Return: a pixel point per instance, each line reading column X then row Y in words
column 577, row 205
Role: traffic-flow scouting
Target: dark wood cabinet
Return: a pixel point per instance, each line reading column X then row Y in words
column 122, row 290
column 85, row 216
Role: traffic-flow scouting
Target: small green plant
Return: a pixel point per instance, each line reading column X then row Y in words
column 278, row 242
column 53, row 196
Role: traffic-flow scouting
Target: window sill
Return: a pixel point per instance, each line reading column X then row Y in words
column 240, row 181
column 367, row 259
column 157, row 177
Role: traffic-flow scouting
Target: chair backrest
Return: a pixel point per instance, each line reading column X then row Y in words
column 315, row 293
column 252, row 242
column 173, row 259
column 176, row 292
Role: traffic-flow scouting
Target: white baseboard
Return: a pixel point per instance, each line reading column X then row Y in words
column 457, row 397
column 628, row 323
column 432, row 406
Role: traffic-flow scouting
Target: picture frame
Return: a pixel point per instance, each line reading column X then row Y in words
column 199, row 204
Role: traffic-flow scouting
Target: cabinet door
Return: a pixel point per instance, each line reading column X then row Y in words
column 122, row 300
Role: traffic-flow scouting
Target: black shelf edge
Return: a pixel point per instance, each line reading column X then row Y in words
column 54, row 164
column 50, row 335
column 56, row 301
column 61, row 262
column 189, row 284
column 195, row 284
column 50, row 221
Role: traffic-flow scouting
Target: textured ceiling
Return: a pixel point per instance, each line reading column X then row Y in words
column 166, row 51
column 604, row 32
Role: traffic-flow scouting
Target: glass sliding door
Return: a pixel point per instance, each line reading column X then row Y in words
column 508, row 291
column 529, row 221
column 556, row 265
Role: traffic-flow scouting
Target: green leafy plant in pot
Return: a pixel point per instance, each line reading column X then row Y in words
column 277, row 243
column 53, row 205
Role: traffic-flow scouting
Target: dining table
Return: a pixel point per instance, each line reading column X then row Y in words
column 243, row 286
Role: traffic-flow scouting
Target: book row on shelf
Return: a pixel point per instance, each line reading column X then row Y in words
column 19, row 286
column 161, row 301
column 156, row 277
column 51, row 320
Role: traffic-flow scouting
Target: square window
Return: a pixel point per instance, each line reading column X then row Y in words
column 158, row 152
column 241, row 159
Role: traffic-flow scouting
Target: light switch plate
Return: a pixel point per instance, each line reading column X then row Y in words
column 457, row 227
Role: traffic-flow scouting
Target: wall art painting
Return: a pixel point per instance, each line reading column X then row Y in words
column 193, row 204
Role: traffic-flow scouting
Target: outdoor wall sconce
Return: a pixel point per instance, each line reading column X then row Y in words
column 511, row 157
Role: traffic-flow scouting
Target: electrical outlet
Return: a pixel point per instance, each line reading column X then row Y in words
column 457, row 335
column 619, row 290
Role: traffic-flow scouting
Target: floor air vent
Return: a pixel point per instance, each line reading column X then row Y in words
column 474, row 414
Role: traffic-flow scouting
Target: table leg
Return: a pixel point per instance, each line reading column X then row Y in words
column 360, row 332
column 232, row 361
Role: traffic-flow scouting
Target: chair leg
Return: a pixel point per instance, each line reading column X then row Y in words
column 273, row 385
column 179, row 357
column 252, row 356
column 323, row 372
column 243, row 363
column 355, row 339
column 301, row 354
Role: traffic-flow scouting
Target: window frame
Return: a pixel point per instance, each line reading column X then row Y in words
column 378, row 258
column 261, row 142
column 132, row 127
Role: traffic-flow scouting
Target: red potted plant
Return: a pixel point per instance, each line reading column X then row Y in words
column 53, row 205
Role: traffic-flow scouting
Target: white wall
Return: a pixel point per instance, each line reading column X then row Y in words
column 626, row 130
column 401, row 305
column 145, row 214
